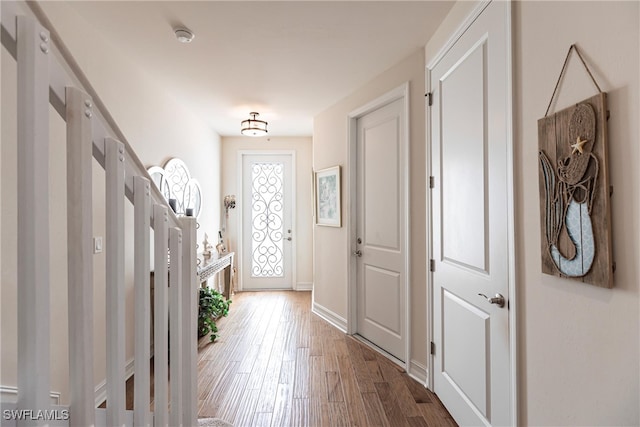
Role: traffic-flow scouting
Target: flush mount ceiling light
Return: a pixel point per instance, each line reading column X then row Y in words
column 184, row 35
column 253, row 126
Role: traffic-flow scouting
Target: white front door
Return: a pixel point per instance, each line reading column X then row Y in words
column 471, row 219
column 267, row 230
column 380, row 231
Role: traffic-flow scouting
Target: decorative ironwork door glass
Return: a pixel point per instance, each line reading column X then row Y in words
column 267, row 224
column 267, row 245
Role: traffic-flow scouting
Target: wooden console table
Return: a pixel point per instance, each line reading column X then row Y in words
column 205, row 269
column 208, row 267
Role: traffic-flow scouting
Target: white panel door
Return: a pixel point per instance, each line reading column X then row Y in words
column 380, row 224
column 470, row 222
column 267, row 234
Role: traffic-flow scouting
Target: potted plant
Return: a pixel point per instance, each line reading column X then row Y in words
column 212, row 306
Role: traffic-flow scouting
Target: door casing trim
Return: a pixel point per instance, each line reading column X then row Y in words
column 400, row 92
column 240, row 192
column 512, row 275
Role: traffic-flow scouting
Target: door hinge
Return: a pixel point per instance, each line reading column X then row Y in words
column 432, row 182
column 432, row 265
column 433, row 348
column 429, row 96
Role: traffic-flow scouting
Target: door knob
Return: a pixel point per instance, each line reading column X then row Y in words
column 289, row 238
column 498, row 299
column 358, row 253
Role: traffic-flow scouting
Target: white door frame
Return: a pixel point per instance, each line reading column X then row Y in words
column 239, row 205
column 512, row 303
column 401, row 92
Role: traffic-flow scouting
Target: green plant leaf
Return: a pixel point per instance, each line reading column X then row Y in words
column 212, row 305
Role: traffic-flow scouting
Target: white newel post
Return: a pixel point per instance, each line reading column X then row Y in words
column 161, row 316
column 33, row 218
column 142, row 295
column 189, row 323
column 80, row 257
column 114, row 244
column 175, row 325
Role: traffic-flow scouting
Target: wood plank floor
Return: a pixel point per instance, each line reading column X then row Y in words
column 278, row 364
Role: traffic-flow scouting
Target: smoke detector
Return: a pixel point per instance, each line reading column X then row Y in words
column 184, row 35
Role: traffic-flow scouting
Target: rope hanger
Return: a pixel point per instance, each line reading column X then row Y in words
column 564, row 67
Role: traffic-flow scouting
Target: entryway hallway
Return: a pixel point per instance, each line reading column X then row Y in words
column 278, row 364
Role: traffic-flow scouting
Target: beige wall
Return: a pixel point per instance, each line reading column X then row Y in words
column 157, row 127
column 578, row 344
column 591, row 335
column 331, row 246
column 304, row 219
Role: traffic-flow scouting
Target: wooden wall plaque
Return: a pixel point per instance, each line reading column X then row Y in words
column 574, row 193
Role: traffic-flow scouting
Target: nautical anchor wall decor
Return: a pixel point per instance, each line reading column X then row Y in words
column 574, row 192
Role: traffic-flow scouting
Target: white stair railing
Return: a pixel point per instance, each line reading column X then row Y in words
column 80, row 262
column 142, row 248
column 47, row 74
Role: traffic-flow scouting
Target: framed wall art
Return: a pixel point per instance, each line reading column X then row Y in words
column 327, row 197
column 574, row 190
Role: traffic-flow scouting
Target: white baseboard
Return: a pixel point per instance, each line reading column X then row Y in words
column 9, row 394
column 418, row 372
column 304, row 286
column 331, row 317
column 101, row 389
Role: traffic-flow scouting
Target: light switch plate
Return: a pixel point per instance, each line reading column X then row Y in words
column 97, row 245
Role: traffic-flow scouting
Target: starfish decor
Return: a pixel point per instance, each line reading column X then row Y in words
column 578, row 146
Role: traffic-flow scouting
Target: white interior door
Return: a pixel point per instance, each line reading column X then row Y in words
column 267, row 227
column 471, row 166
column 381, row 239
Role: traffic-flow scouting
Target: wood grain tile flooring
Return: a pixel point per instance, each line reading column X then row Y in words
column 278, row 364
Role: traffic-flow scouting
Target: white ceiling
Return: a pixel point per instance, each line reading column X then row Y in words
column 287, row 60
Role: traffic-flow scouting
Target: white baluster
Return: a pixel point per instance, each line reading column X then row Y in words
column 33, row 218
column 189, row 322
column 160, row 330
column 142, row 227
column 175, row 319
column 114, row 244
column 80, row 260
